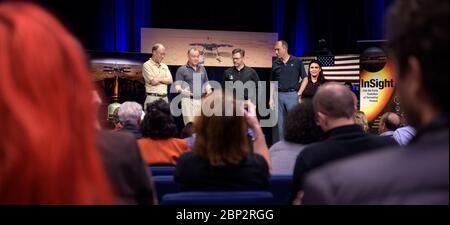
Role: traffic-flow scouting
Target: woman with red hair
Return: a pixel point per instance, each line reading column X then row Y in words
column 48, row 153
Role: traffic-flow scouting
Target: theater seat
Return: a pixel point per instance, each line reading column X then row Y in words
column 162, row 170
column 281, row 186
column 164, row 185
column 219, row 198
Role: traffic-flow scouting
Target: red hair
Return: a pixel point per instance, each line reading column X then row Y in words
column 48, row 153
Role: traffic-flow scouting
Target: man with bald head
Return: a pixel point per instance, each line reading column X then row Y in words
column 156, row 75
column 334, row 108
column 389, row 122
column 416, row 174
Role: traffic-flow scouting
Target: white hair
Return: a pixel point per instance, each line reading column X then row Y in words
column 130, row 112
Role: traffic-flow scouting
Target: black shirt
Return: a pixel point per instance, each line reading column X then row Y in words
column 311, row 88
column 130, row 128
column 244, row 75
column 339, row 143
column 288, row 75
column 194, row 173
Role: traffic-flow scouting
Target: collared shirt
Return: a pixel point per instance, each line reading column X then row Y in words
column 389, row 133
column 404, row 135
column 187, row 74
column 288, row 74
column 152, row 70
column 244, row 75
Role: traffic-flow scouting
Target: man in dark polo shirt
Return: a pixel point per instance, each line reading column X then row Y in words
column 333, row 105
column 288, row 71
column 192, row 84
column 241, row 72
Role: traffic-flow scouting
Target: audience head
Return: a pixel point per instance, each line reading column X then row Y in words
column 417, row 31
column 221, row 139
column 115, row 119
column 55, row 162
column 158, row 123
column 130, row 113
column 404, row 119
column 300, row 124
column 389, row 122
column 334, row 106
column 361, row 120
column 188, row 130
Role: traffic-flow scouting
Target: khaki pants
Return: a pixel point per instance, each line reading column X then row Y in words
column 190, row 109
column 151, row 99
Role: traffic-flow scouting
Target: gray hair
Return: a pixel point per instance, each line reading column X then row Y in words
column 130, row 113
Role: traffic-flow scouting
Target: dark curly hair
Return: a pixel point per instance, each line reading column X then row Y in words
column 419, row 28
column 158, row 123
column 300, row 124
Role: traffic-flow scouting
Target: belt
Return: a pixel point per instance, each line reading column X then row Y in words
column 157, row 95
column 287, row 90
column 197, row 97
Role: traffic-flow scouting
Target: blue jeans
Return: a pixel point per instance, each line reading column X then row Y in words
column 286, row 101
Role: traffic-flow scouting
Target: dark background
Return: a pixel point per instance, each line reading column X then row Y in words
column 114, row 25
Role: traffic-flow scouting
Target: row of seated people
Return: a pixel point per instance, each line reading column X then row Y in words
column 300, row 130
column 307, row 146
column 219, row 164
column 301, row 152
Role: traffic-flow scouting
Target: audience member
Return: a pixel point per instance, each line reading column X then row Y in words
column 417, row 31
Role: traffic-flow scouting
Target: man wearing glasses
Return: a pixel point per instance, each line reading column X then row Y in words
column 241, row 72
column 156, row 75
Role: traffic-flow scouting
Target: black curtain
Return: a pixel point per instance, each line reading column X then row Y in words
column 341, row 23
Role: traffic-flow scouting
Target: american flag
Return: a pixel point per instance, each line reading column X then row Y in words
column 339, row 68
